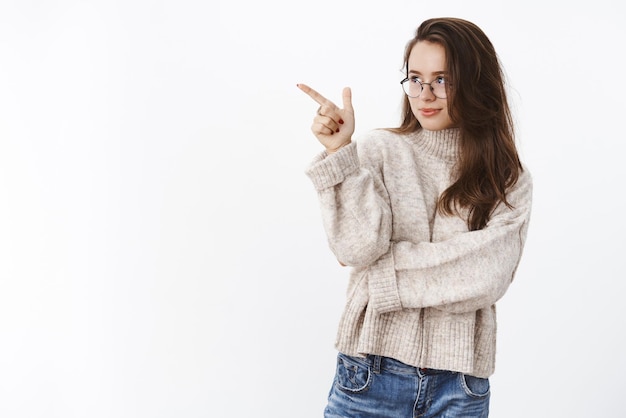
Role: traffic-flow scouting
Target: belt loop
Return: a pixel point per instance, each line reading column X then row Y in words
column 376, row 365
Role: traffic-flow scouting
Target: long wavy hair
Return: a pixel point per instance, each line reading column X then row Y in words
column 477, row 104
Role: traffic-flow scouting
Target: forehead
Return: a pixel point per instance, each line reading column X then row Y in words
column 427, row 57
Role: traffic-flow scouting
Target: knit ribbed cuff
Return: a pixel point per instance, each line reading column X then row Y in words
column 328, row 170
column 383, row 287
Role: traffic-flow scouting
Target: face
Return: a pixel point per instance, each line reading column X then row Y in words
column 427, row 61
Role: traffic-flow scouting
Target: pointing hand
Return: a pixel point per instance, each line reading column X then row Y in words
column 332, row 126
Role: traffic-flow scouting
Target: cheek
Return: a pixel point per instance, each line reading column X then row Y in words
column 445, row 120
column 414, row 107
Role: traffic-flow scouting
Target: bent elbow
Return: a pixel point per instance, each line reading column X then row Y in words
column 362, row 255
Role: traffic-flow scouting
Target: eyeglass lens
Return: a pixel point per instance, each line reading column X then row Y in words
column 413, row 88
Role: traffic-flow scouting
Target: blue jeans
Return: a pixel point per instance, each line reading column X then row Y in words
column 377, row 387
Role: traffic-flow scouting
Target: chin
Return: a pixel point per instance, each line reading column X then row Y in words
column 431, row 125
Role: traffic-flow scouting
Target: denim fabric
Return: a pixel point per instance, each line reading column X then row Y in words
column 379, row 387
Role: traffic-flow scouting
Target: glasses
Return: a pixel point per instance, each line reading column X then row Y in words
column 413, row 87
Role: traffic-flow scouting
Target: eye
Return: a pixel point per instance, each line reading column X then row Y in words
column 415, row 80
column 440, row 80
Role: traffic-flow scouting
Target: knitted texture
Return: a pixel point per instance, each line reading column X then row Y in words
column 422, row 287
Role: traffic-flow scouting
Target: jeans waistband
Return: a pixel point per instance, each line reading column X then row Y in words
column 379, row 363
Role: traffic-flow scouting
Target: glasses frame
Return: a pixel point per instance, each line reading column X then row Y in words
column 432, row 90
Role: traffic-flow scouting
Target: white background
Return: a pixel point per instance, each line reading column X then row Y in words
column 161, row 250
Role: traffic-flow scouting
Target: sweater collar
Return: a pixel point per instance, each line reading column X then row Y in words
column 443, row 144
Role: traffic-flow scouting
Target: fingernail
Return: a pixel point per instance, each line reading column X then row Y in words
column 341, row 121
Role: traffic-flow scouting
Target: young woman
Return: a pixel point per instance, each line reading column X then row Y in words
column 432, row 217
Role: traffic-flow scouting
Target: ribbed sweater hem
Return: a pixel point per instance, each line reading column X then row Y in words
column 410, row 338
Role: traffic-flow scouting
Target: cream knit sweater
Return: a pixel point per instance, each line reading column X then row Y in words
column 422, row 287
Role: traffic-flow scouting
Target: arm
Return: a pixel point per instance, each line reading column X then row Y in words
column 354, row 204
column 469, row 271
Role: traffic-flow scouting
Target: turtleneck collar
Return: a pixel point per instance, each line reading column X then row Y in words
column 443, row 144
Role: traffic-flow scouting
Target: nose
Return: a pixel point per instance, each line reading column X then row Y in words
column 427, row 94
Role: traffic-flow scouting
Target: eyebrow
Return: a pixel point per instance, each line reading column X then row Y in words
column 433, row 73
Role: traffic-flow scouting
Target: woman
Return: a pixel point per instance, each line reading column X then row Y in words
column 432, row 217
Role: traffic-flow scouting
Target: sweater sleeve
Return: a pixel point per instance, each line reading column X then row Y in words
column 467, row 272
column 354, row 204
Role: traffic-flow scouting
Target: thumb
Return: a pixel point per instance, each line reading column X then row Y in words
column 347, row 99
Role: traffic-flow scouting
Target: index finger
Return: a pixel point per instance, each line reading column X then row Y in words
column 315, row 95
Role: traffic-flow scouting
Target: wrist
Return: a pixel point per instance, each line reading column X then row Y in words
column 334, row 150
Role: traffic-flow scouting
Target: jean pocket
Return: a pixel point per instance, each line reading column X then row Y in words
column 353, row 375
column 476, row 387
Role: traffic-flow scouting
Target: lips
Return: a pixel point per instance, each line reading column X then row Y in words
column 428, row 111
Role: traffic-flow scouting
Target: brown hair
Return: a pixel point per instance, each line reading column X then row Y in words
column 477, row 104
